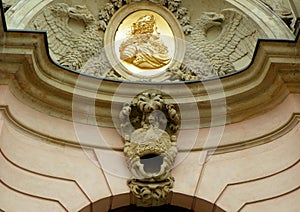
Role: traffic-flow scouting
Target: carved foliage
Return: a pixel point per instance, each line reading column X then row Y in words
column 136, row 114
column 181, row 13
column 150, row 194
column 148, row 126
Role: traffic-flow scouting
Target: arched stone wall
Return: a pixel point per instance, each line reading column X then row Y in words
column 45, row 165
column 201, row 204
column 42, row 167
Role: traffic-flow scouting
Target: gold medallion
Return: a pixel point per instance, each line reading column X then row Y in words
column 142, row 40
column 145, row 43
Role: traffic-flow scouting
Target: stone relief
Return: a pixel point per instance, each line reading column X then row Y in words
column 148, row 126
column 280, row 8
column 149, row 194
column 73, row 34
column 206, row 57
column 181, row 13
column 99, row 66
column 75, row 40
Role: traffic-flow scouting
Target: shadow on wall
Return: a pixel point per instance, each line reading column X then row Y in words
column 164, row 208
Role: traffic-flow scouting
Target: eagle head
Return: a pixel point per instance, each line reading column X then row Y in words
column 80, row 13
column 210, row 19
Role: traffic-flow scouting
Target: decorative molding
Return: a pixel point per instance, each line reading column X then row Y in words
column 271, row 24
column 261, row 140
column 281, row 9
column 8, row 4
column 36, row 175
column 35, row 80
column 273, row 59
column 276, row 174
column 236, row 146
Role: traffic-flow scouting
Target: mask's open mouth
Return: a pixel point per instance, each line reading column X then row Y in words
column 152, row 163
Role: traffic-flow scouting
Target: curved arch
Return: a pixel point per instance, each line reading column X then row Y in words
column 274, row 28
column 177, row 203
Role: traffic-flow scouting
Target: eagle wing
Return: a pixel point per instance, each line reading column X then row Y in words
column 230, row 50
column 69, row 47
column 237, row 39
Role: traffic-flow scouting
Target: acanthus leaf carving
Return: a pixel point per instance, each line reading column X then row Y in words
column 148, row 195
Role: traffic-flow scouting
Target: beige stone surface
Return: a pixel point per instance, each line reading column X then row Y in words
column 78, row 165
column 288, row 201
column 250, row 165
column 12, row 200
column 72, row 166
column 187, row 173
column 49, row 164
column 115, row 170
column 267, row 188
column 44, row 187
column 3, row 93
column 64, row 131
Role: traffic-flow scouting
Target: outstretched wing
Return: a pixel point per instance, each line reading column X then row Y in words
column 229, row 49
column 54, row 20
column 99, row 66
column 72, row 33
column 237, row 39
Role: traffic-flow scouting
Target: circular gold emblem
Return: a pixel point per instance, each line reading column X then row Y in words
column 143, row 42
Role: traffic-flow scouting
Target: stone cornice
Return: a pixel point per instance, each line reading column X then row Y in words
column 112, row 140
column 37, row 81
